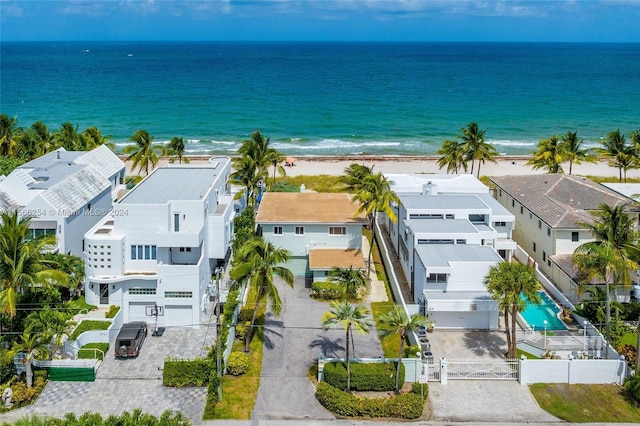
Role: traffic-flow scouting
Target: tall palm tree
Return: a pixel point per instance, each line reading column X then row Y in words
column 351, row 279
column 8, row 126
column 375, row 195
column 277, row 158
column 92, row 138
column 143, row 152
column 573, row 151
column 549, row 155
column 22, row 262
column 35, row 141
column 176, row 148
column 396, row 321
column 34, row 347
column 619, row 153
column 507, row 282
column 453, row 156
column 350, row 316
column 257, row 262
column 51, row 325
column 260, row 150
column 67, row 137
column 244, row 173
column 475, row 146
column 354, row 175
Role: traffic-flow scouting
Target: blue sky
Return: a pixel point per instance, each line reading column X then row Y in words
column 330, row 20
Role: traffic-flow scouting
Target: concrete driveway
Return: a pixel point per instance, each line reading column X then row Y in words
column 126, row 384
column 292, row 345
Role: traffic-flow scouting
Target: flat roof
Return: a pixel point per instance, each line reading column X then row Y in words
column 443, row 254
column 336, row 258
column 442, row 202
column 457, row 295
column 188, row 182
column 46, row 177
column 439, row 226
column 308, row 207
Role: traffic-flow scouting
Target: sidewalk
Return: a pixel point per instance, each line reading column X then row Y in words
column 377, row 291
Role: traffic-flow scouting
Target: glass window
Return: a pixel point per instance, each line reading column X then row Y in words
column 337, row 230
column 153, row 252
column 299, row 230
column 176, row 222
column 548, row 231
column 575, row 236
column 277, row 230
column 147, row 252
column 133, row 252
column 142, row 291
column 140, row 252
column 534, row 247
column 178, row 294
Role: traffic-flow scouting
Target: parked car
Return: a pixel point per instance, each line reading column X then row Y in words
column 130, row 339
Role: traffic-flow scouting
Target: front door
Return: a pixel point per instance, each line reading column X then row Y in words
column 104, row 294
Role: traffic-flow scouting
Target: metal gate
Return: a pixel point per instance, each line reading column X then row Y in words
column 482, row 369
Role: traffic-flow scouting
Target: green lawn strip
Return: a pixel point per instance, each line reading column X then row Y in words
column 520, row 352
column 586, row 403
column 630, row 339
column 318, row 183
column 391, row 343
column 87, row 325
column 239, row 393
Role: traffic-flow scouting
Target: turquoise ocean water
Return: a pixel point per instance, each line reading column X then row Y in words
column 325, row 98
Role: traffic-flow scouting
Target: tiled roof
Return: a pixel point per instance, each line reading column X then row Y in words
column 561, row 201
column 76, row 191
column 7, row 203
column 103, row 159
column 335, row 258
column 308, row 207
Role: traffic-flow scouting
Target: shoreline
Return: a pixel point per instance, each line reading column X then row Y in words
column 411, row 164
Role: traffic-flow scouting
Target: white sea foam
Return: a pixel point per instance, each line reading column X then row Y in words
column 513, row 143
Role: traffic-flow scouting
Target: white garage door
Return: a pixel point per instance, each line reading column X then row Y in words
column 178, row 315
column 137, row 311
column 479, row 320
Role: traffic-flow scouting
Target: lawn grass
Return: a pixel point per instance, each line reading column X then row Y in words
column 586, row 403
column 319, row 183
column 520, row 352
column 630, row 339
column 87, row 325
column 390, row 344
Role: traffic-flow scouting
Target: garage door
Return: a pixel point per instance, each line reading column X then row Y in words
column 178, row 315
column 299, row 266
column 478, row 320
column 137, row 311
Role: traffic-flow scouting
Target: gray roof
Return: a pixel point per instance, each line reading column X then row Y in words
column 103, row 159
column 46, row 177
column 441, row 226
column 561, row 201
column 7, row 203
column 443, row 254
column 631, row 190
column 566, row 265
column 76, row 190
column 458, row 295
column 59, row 155
column 497, row 209
column 185, row 182
column 442, row 202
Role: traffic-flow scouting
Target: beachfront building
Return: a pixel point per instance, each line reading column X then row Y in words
column 161, row 244
column 320, row 230
column 549, row 209
column 65, row 193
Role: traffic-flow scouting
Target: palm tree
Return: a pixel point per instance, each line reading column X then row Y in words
column 349, row 316
column 549, row 155
column 22, row 262
column 51, row 325
column 35, row 141
column 8, row 126
column 67, row 137
column 92, row 138
column 573, row 152
column 354, row 175
column 375, row 195
column 263, row 154
column 176, row 147
column 507, row 282
column 277, row 158
column 475, row 146
column 143, row 152
column 244, row 173
column 396, row 321
column 257, row 262
column 351, row 279
column 453, row 156
column 620, row 154
column 32, row 345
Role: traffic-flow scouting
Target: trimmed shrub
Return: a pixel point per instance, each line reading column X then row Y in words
column 364, row 377
column 87, row 352
column 327, row 290
column 632, row 385
column 343, row 404
column 411, row 351
column 179, row 373
column 420, row 389
column 7, row 369
column 212, row 398
column 112, row 312
column 238, row 363
column 21, row 393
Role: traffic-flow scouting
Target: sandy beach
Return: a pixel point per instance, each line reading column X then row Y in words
column 511, row 165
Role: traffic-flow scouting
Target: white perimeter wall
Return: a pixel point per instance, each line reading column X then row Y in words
column 575, row 371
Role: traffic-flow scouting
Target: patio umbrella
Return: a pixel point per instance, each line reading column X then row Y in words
column 289, row 161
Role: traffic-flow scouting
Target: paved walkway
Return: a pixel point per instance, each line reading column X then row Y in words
column 377, row 291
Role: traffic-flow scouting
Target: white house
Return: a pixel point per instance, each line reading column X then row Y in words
column 65, row 193
column 161, row 244
column 320, row 230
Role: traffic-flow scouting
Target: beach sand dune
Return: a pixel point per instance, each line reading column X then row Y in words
column 511, row 165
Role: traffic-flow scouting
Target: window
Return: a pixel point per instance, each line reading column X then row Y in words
column 544, row 256
column 461, row 241
column 450, row 216
column 143, row 252
column 140, row 252
column 425, row 216
column 539, row 224
column 498, row 224
column 337, row 230
column 176, row 222
column 513, row 203
column 548, row 231
column 142, row 291
column 500, row 192
column 277, row 230
column 575, row 236
column 133, row 253
column 147, row 252
column 521, row 210
column 299, row 230
column 534, row 247
column 178, row 294
column 437, row 278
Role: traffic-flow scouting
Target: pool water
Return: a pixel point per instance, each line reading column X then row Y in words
column 535, row 315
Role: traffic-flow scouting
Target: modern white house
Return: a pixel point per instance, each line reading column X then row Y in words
column 549, row 209
column 157, row 250
column 320, row 230
column 65, row 193
column 446, row 240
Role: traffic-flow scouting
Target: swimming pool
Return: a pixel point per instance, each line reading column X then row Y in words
column 535, row 315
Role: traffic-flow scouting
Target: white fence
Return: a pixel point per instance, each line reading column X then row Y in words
column 585, row 371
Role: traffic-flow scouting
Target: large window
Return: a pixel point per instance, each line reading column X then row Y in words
column 142, row 291
column 337, row 230
column 143, row 252
column 178, row 294
column 575, row 236
column 277, row 230
column 299, row 230
column 436, row 278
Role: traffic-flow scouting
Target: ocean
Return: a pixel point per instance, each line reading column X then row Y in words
column 325, row 98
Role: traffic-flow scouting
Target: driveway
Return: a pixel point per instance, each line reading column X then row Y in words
column 126, row 384
column 292, row 345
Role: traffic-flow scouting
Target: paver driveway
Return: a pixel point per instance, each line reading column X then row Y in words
column 123, row 385
column 293, row 343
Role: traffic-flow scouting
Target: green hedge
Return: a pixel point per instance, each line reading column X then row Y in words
column 364, row 377
column 87, row 352
column 212, row 397
column 420, row 389
column 327, row 290
column 179, row 373
column 343, row 404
